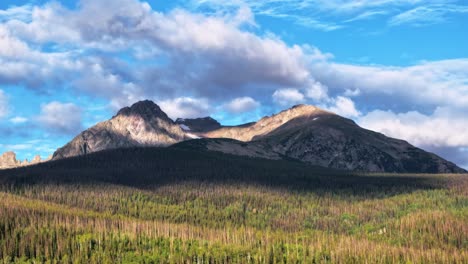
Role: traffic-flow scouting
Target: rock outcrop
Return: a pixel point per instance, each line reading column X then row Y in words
column 8, row 160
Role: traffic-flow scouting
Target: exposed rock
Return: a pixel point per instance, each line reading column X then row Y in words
column 142, row 124
column 8, row 160
column 196, row 125
column 266, row 125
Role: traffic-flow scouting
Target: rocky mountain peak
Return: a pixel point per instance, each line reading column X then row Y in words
column 146, row 109
column 140, row 125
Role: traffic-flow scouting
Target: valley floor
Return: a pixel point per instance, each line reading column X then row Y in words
column 200, row 222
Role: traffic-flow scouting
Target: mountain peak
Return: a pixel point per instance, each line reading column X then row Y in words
column 146, row 109
column 142, row 124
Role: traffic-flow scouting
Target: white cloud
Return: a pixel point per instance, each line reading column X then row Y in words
column 343, row 106
column 16, row 12
column 4, row 106
column 18, row 120
column 442, row 132
column 64, row 118
column 241, row 105
column 185, row 107
column 444, row 127
column 427, row 15
column 438, row 83
column 207, row 56
column 327, row 15
column 288, row 96
column 317, row 91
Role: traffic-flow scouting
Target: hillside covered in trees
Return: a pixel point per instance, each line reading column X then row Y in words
column 182, row 205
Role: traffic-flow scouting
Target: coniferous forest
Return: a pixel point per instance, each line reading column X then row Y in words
column 179, row 205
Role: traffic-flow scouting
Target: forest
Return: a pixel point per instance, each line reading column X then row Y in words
column 181, row 205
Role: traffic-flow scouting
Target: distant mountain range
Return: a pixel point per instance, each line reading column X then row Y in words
column 302, row 133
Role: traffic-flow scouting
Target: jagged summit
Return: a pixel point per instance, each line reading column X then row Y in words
column 142, row 124
column 146, row 109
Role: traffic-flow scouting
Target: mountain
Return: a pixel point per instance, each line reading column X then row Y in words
column 312, row 135
column 8, row 160
column 198, row 125
column 142, row 124
column 302, row 133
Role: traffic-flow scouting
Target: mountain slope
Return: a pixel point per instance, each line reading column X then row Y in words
column 336, row 142
column 318, row 137
column 142, row 124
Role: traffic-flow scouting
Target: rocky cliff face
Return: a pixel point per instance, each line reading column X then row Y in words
column 142, row 124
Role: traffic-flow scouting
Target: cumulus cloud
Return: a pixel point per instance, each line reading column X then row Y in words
column 444, row 127
column 205, row 56
column 288, row 96
column 4, row 108
column 343, row 106
column 437, row 83
column 442, row 132
column 241, row 105
column 185, row 107
column 316, row 91
column 61, row 118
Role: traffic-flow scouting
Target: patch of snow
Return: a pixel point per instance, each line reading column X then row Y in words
column 316, row 118
column 185, row 127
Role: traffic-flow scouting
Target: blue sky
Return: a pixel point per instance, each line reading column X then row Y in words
column 399, row 67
